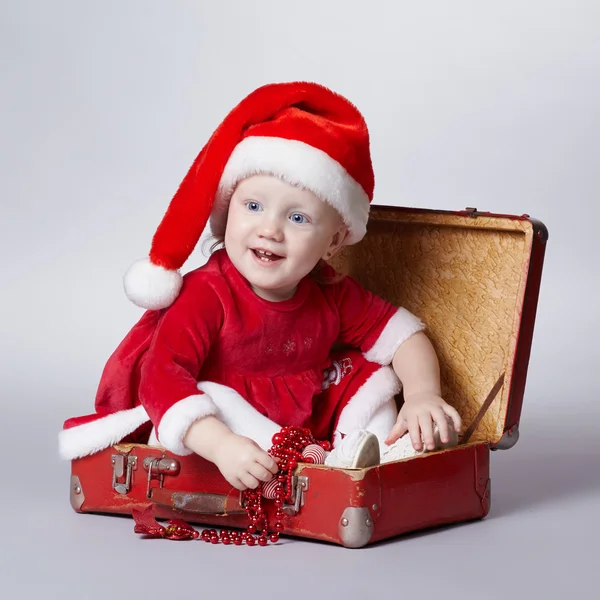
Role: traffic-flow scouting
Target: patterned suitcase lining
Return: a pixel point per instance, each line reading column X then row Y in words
column 465, row 278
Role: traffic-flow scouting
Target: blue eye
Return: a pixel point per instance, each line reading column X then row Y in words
column 298, row 218
column 253, row 206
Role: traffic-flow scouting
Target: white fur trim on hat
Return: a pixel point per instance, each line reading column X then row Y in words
column 175, row 423
column 94, row 436
column 152, row 287
column 398, row 329
column 298, row 164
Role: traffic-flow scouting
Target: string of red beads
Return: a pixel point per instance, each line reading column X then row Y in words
column 288, row 445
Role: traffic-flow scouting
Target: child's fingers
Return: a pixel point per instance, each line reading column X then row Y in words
column 236, row 483
column 249, row 480
column 268, row 462
column 427, row 430
column 453, row 414
column 441, row 420
column 398, row 430
column 414, row 431
column 260, row 472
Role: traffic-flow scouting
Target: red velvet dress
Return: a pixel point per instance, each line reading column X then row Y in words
column 273, row 354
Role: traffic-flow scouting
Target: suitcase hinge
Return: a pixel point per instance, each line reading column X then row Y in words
column 123, row 465
column 157, row 469
column 508, row 440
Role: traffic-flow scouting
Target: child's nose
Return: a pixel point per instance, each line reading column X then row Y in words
column 271, row 229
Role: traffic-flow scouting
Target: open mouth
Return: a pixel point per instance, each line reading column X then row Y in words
column 265, row 256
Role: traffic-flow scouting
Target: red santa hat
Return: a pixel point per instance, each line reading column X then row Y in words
column 301, row 132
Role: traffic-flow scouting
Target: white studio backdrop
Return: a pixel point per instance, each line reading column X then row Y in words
column 104, row 106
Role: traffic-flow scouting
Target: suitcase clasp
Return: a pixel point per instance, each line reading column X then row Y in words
column 299, row 486
column 159, row 467
column 120, row 466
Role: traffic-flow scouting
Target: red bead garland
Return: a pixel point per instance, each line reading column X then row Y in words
column 288, row 445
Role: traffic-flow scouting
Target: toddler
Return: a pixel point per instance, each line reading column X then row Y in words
column 267, row 334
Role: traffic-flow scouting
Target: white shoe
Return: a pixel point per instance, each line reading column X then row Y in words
column 358, row 450
column 400, row 449
column 403, row 447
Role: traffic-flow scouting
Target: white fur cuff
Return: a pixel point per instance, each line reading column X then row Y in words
column 94, row 436
column 239, row 415
column 177, row 420
column 398, row 329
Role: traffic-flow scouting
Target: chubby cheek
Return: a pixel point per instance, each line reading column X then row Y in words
column 235, row 232
column 308, row 253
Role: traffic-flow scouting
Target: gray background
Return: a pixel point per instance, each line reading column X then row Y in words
column 105, row 104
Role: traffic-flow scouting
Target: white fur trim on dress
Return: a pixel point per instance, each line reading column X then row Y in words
column 239, row 415
column 398, row 329
column 177, row 420
column 299, row 164
column 153, row 440
column 369, row 398
column 382, row 421
column 152, row 287
column 94, row 436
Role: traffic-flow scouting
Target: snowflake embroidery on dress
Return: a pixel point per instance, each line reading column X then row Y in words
column 269, row 349
column 289, row 347
column 308, row 342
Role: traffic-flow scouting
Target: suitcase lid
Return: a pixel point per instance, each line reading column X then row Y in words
column 474, row 279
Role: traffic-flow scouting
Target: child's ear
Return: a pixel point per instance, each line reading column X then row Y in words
column 337, row 241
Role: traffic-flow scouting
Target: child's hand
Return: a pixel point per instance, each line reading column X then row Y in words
column 417, row 416
column 243, row 463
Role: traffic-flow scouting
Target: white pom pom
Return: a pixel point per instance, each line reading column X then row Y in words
column 150, row 286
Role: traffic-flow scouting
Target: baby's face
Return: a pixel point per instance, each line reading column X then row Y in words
column 276, row 233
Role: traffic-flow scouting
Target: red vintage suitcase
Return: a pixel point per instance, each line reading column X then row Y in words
column 474, row 278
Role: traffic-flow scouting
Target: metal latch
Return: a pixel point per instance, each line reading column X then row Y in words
column 157, row 469
column 299, row 487
column 121, row 467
